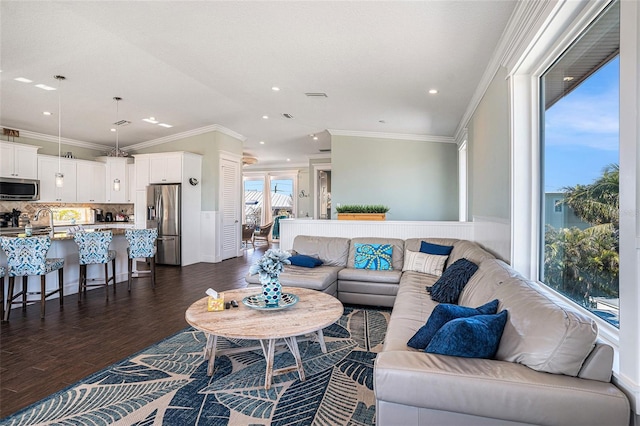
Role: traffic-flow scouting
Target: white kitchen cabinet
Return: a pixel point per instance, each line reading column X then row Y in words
column 131, row 187
column 47, row 169
column 142, row 172
column 165, row 168
column 18, row 160
column 116, row 170
column 91, row 176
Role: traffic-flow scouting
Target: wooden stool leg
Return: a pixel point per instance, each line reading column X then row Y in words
column 152, row 262
column 7, row 311
column 80, row 284
column 113, row 269
column 43, row 294
column 2, row 300
column 106, row 279
column 61, row 286
column 25, row 282
column 130, row 274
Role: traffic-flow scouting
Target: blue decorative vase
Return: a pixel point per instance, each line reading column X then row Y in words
column 272, row 291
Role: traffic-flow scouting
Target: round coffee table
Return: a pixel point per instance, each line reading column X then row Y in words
column 313, row 312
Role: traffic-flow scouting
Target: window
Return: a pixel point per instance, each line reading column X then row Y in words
column 579, row 169
column 261, row 207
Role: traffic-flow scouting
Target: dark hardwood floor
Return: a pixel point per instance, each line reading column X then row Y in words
column 39, row 357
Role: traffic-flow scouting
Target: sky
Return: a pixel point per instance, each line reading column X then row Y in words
column 582, row 131
column 284, row 186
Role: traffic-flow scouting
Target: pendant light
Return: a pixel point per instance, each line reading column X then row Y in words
column 59, row 175
column 116, row 181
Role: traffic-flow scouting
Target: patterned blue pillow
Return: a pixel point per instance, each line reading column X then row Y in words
column 442, row 314
column 377, row 257
column 472, row 337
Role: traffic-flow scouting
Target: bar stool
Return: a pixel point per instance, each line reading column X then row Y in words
column 142, row 244
column 27, row 257
column 94, row 249
column 3, row 272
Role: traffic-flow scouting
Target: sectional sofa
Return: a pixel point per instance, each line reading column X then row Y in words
column 549, row 367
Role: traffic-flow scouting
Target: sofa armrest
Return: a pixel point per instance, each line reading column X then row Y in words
column 496, row 389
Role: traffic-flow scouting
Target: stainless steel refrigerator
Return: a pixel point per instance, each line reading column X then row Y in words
column 163, row 213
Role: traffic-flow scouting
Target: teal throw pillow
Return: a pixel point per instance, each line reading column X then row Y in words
column 377, row 257
column 472, row 337
column 305, row 261
column 438, row 249
column 442, row 314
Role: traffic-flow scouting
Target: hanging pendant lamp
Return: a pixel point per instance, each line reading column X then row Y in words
column 117, row 152
column 59, row 175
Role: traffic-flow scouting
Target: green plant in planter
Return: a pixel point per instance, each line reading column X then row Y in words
column 361, row 208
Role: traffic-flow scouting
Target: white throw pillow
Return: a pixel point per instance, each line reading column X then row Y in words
column 425, row 263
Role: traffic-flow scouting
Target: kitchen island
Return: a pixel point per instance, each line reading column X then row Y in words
column 63, row 246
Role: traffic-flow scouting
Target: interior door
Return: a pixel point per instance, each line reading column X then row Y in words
column 231, row 213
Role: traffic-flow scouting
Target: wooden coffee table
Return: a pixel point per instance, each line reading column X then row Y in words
column 313, row 312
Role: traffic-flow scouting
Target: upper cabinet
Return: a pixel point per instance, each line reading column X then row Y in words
column 48, row 166
column 18, row 160
column 91, row 186
column 165, row 168
column 117, row 179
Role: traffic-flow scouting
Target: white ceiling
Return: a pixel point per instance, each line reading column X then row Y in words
column 194, row 64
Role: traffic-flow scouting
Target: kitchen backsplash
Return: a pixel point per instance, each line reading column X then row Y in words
column 30, row 209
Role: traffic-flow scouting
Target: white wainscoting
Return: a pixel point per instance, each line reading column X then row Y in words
column 289, row 228
column 208, row 243
column 494, row 234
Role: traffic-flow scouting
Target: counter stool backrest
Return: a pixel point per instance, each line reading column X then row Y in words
column 26, row 256
column 93, row 246
column 141, row 242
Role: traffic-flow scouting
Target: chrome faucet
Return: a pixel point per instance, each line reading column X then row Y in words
column 37, row 217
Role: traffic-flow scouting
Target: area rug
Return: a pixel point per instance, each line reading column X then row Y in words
column 167, row 384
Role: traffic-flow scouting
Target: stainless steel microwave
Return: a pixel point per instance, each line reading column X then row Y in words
column 12, row 189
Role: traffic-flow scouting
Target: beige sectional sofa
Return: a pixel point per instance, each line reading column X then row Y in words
column 549, row 368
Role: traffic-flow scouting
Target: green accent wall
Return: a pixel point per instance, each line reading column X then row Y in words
column 489, row 153
column 418, row 180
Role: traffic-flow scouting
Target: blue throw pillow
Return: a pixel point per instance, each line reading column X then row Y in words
column 452, row 281
column 430, row 248
column 373, row 256
column 442, row 314
column 304, row 260
column 472, row 337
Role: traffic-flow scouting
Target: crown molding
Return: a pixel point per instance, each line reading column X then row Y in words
column 524, row 22
column 188, row 133
column 54, row 139
column 403, row 136
column 323, row 156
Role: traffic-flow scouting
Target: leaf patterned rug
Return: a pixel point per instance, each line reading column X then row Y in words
column 167, row 384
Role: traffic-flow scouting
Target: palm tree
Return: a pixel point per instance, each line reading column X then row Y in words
column 599, row 202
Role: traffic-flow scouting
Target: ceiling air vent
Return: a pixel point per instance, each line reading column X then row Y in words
column 316, row 95
column 287, row 115
column 325, row 150
column 122, row 123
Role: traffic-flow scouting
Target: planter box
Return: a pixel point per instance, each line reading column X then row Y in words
column 362, row 216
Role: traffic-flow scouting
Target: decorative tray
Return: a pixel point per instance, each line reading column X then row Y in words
column 256, row 301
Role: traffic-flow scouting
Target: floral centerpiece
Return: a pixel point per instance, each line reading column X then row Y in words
column 268, row 268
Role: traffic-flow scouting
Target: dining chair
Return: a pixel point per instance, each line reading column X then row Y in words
column 28, row 257
column 94, row 249
column 142, row 245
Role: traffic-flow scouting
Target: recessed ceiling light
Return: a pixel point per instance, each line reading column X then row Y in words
column 433, row 91
column 46, row 113
column 151, row 120
column 567, row 79
column 288, row 159
column 23, row 80
column 45, row 87
column 275, row 89
column 315, row 138
column 261, row 142
column 113, row 130
column 266, row 117
column 165, row 125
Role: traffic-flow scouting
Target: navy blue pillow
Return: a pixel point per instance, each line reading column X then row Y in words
column 430, row 248
column 304, row 260
column 442, row 314
column 472, row 337
column 452, row 281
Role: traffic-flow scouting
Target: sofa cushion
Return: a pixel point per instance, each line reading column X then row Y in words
column 305, row 261
column 483, row 284
column 442, row 314
column 558, row 341
column 377, row 257
column 472, row 337
column 430, row 248
column 469, row 250
column 319, row 278
column 333, row 251
column 397, row 250
column 448, row 288
column 369, row 275
column 426, row 263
